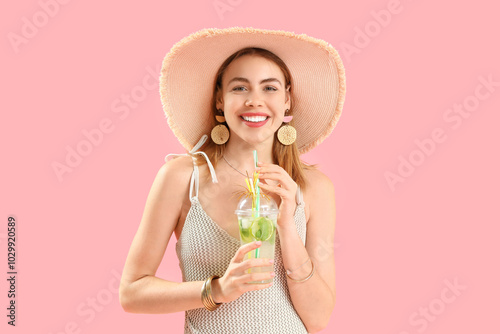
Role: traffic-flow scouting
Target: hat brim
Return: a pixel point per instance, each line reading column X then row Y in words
column 189, row 69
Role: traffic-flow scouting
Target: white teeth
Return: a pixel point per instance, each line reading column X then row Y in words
column 254, row 118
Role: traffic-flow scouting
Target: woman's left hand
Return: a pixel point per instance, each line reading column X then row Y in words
column 283, row 185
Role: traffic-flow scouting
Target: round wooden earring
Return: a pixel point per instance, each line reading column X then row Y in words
column 287, row 134
column 220, row 134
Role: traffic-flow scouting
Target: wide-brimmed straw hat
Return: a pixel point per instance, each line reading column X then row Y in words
column 189, row 69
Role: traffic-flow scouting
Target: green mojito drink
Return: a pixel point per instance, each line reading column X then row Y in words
column 258, row 225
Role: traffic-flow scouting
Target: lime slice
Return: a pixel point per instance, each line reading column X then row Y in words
column 262, row 229
column 245, row 235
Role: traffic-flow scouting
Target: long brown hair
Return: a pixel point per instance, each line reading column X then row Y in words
column 286, row 156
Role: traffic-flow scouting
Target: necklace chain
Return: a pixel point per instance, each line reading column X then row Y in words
column 233, row 166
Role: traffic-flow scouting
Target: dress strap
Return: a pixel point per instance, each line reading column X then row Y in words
column 299, row 197
column 195, row 176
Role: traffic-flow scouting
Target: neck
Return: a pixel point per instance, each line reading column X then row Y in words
column 239, row 153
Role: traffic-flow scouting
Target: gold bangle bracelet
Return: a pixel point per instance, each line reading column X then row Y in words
column 305, row 279
column 206, row 295
column 291, row 271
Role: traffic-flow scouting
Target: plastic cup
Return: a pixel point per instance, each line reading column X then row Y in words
column 258, row 225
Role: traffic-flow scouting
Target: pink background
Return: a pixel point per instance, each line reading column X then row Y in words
column 397, row 247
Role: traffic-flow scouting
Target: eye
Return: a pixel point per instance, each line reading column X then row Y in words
column 239, row 88
column 271, row 88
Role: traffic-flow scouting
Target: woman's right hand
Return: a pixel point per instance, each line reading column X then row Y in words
column 234, row 283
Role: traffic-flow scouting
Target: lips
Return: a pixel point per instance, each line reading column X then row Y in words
column 254, row 120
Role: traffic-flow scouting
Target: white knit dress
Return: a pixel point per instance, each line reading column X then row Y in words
column 205, row 249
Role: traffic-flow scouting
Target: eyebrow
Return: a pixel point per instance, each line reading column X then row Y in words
column 247, row 81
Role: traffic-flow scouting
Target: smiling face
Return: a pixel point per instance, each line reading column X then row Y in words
column 254, row 98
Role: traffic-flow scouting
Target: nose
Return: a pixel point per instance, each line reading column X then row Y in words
column 254, row 100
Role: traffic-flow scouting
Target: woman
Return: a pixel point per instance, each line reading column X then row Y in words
column 247, row 75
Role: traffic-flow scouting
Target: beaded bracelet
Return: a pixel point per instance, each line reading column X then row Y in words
column 206, row 295
column 305, row 279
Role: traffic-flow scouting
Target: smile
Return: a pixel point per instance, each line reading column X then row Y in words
column 255, row 121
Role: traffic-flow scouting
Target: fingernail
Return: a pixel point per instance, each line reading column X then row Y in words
column 258, row 243
column 271, row 261
column 273, row 274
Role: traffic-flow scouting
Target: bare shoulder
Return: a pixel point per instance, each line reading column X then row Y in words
column 172, row 181
column 180, row 167
column 319, row 193
column 318, row 184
